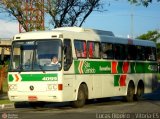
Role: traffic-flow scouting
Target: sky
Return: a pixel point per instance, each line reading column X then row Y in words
column 115, row 18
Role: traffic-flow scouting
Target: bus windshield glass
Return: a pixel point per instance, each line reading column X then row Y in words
column 39, row 55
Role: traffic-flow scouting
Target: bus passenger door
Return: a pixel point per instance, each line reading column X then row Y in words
column 68, row 76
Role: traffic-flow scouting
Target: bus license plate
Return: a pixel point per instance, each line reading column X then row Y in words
column 32, row 98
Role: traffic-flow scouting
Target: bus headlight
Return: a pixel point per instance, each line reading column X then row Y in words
column 12, row 87
column 52, row 87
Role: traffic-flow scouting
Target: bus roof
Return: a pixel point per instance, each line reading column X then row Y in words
column 55, row 33
column 128, row 41
column 82, row 34
column 85, row 30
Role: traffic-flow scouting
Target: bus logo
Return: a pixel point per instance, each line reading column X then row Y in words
column 17, row 77
column 31, row 88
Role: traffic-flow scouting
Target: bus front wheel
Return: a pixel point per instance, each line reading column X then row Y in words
column 81, row 98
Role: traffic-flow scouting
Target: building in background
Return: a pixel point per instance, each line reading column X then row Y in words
column 5, row 45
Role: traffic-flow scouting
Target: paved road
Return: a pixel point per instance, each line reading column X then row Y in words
column 147, row 108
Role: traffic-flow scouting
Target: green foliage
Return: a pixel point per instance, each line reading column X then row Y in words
column 143, row 2
column 158, row 50
column 150, row 35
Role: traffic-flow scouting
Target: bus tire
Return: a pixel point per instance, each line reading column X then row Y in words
column 19, row 104
column 140, row 91
column 130, row 92
column 81, row 98
column 37, row 104
column 22, row 104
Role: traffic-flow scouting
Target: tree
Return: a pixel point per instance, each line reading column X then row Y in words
column 150, row 35
column 13, row 7
column 71, row 12
column 143, row 2
column 153, row 36
column 62, row 12
column 16, row 9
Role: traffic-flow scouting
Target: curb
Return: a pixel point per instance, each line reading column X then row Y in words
column 7, row 106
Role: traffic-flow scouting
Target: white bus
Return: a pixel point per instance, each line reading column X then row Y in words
column 93, row 64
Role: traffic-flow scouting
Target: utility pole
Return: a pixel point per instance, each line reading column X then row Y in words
column 132, row 22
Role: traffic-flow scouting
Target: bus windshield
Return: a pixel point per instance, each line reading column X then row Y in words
column 39, row 55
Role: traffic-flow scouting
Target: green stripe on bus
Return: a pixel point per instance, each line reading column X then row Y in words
column 105, row 67
column 92, row 67
column 132, row 67
column 116, row 80
column 119, row 67
column 33, row 77
column 10, row 77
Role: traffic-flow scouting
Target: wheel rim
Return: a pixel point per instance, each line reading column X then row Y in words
column 81, row 97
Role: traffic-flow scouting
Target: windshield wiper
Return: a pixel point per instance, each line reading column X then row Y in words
column 20, row 68
column 41, row 68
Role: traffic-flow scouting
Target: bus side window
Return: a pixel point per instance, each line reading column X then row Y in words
column 93, row 49
column 154, row 53
column 132, row 52
column 150, row 53
column 67, row 54
column 120, row 52
column 141, row 53
column 90, row 50
column 80, row 48
column 107, row 50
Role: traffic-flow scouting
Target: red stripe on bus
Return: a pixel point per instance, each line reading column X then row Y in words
column 122, row 80
column 125, row 67
column 114, row 67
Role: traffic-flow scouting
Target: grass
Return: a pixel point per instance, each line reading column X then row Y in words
column 5, row 101
column 5, row 86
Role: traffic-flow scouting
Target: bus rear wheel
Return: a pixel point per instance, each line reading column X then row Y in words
column 130, row 92
column 81, row 98
column 140, row 91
